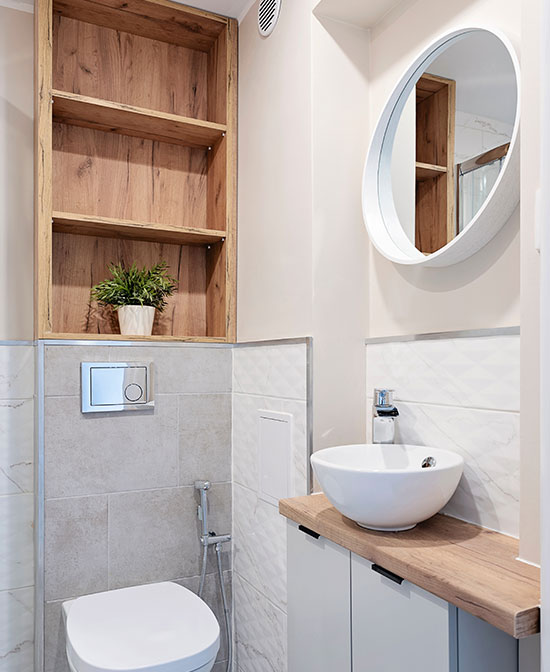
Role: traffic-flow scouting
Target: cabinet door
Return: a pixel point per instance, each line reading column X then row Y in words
column 319, row 631
column 397, row 628
column 484, row 648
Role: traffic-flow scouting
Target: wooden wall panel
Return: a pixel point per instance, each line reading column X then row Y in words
column 114, row 65
column 123, row 177
column 79, row 262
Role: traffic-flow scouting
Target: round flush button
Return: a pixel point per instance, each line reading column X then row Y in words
column 133, row 392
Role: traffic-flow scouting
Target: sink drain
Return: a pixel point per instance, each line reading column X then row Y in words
column 428, row 462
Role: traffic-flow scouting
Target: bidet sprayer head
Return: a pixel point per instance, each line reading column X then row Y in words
column 202, row 485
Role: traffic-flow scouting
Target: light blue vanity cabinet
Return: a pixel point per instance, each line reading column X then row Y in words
column 343, row 616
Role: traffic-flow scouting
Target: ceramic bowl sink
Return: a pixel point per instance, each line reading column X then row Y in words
column 385, row 486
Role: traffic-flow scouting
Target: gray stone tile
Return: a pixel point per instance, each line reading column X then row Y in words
column 75, row 547
column 185, row 368
column 204, row 437
column 55, row 657
column 16, row 371
column 212, row 597
column 152, row 536
column 219, row 521
column 62, row 366
column 109, row 452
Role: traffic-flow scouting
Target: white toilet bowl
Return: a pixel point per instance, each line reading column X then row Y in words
column 161, row 627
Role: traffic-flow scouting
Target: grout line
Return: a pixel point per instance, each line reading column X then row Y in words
column 126, row 492
column 455, row 406
column 269, row 396
column 108, row 542
column 12, row 590
column 265, row 597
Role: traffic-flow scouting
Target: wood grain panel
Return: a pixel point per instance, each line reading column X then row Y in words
column 231, row 182
column 128, row 178
column 471, row 567
column 106, row 227
column 72, row 108
column 156, row 19
column 43, row 168
column 431, row 214
column 79, row 262
column 117, row 66
column 216, row 290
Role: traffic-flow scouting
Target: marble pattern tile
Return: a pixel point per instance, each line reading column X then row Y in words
column 16, row 630
column 260, row 630
column 16, row 371
column 488, row 493
column 259, row 551
column 75, row 555
column 204, row 438
column 245, row 439
column 16, row 541
column 109, row 452
column 16, row 446
column 478, row 372
column 271, row 370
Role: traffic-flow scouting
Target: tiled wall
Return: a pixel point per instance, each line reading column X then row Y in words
column 16, row 507
column 461, row 394
column 266, row 377
column 120, row 507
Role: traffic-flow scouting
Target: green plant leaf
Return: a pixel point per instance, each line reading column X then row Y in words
column 135, row 286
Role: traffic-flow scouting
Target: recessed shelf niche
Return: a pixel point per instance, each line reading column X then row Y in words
column 136, row 161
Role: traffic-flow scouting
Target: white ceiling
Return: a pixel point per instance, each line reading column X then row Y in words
column 234, row 8
column 364, row 13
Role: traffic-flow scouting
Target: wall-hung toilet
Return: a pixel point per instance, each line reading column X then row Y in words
column 161, row 627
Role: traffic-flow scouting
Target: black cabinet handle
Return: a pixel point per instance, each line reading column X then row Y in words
column 387, row 574
column 311, row 533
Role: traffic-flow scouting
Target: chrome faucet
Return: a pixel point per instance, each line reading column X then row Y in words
column 384, row 413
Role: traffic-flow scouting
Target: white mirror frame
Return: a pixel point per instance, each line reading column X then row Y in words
column 379, row 212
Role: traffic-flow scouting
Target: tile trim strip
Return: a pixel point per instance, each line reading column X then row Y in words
column 465, row 333
column 39, row 504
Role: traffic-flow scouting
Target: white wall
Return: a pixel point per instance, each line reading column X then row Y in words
column 484, row 290
column 16, row 174
column 302, row 244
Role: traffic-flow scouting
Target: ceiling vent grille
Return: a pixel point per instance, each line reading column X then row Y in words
column 268, row 15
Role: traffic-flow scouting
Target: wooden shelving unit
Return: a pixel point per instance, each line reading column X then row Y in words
column 136, row 162
column 435, row 220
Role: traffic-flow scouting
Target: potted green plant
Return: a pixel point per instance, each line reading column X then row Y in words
column 135, row 293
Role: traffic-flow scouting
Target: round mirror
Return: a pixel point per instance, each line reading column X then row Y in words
column 442, row 171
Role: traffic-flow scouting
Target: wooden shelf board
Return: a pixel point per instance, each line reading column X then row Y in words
column 119, row 337
column 473, row 568
column 65, row 222
column 155, row 19
column 427, row 171
column 104, row 115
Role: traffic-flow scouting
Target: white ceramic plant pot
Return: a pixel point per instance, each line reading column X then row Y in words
column 136, row 320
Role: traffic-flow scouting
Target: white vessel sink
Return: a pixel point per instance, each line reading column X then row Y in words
column 384, row 486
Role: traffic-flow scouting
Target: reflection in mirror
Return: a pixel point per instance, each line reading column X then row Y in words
column 452, row 139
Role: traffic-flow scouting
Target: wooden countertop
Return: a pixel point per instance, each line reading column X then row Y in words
column 469, row 566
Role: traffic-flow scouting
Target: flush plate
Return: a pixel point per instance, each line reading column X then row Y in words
column 116, row 386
